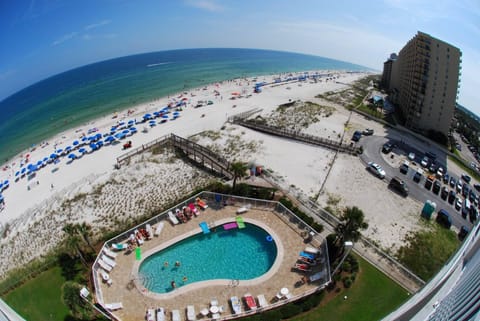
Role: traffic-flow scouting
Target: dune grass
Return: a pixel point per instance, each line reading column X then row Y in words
column 40, row 298
column 372, row 296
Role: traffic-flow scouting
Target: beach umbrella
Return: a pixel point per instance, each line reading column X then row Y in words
column 45, row 159
column 30, row 166
column 75, row 143
column 165, row 116
column 72, row 156
column 126, row 131
column 152, row 123
column 82, row 150
column 59, row 151
column 6, row 183
column 99, row 144
column 68, row 148
column 84, row 138
column 39, row 163
column 133, row 129
column 1, row 198
column 119, row 135
column 109, row 139
column 93, row 146
column 1, row 186
column 53, row 156
column 17, row 173
column 131, row 122
column 98, row 136
column 121, row 123
column 147, row 116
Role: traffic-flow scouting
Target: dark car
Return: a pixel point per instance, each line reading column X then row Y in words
column 472, row 196
column 452, row 181
column 418, row 176
column 473, row 215
column 404, row 167
column 466, row 178
column 444, row 193
column 356, row 136
column 463, row 233
column 387, row 148
column 436, row 187
column 451, row 197
column 429, row 182
column 465, row 190
column 477, row 187
column 443, row 218
column 431, row 155
column 446, row 178
column 399, row 185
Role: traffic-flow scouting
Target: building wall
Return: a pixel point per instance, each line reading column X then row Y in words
column 426, row 76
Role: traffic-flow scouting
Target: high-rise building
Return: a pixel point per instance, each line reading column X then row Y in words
column 387, row 70
column 423, row 82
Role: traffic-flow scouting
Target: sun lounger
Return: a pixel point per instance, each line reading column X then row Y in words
column 302, row 267
column 250, row 301
column 242, row 210
column 173, row 218
column 139, row 237
column 105, row 277
column 109, row 253
column 108, row 260
column 202, row 204
column 262, row 302
column 114, row 306
column 213, row 302
column 149, row 230
column 119, row 246
column 150, row 315
column 160, row 314
column 159, row 229
column 191, row 315
column 204, row 227
column 236, row 305
column 194, row 210
column 308, row 255
column 312, row 250
column 240, row 222
column 175, row 315
column 104, row 265
column 216, row 316
column 317, row 276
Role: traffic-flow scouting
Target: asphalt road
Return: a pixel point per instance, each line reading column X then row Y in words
column 372, row 152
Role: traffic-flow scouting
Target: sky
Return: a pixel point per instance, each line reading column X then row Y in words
column 40, row 38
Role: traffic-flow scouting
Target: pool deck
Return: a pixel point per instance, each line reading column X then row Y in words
column 136, row 300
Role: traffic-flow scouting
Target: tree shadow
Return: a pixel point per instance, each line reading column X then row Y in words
column 70, row 266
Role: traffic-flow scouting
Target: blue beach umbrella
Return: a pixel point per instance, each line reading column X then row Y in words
column 176, row 113
column 53, row 156
column 98, row 136
column 121, row 123
column 1, row 186
column 165, row 116
column 30, row 166
column 45, row 159
column 39, row 163
column 17, row 173
column 75, row 143
column 119, row 135
column 126, row 131
column 147, row 116
column 99, row 144
column 82, row 150
column 131, row 122
column 68, row 148
column 23, row 170
column 133, row 130
column 93, row 146
column 156, row 113
column 110, row 139
column 72, row 156
column 6, row 183
column 84, row 138
column 59, row 151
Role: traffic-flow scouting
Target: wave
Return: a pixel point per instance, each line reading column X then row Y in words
column 159, row 64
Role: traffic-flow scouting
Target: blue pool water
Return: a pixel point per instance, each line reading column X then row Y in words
column 238, row 254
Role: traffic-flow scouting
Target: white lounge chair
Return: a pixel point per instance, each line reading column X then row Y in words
column 104, row 265
column 159, row 229
column 214, row 302
column 175, row 315
column 108, row 260
column 114, row 306
column 173, row 218
column 109, row 253
column 191, row 315
column 149, row 230
column 150, row 315
column 262, row 302
column 160, row 314
column 105, row 277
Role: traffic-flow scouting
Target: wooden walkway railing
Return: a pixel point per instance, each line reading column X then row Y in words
column 198, row 153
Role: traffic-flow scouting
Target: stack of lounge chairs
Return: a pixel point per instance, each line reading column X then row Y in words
column 191, row 315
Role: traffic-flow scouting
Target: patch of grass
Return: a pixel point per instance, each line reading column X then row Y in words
column 40, row 298
column 372, row 296
column 428, row 250
column 467, row 169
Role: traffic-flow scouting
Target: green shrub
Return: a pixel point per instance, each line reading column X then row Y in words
column 290, row 310
column 272, row 315
column 347, row 282
column 347, row 267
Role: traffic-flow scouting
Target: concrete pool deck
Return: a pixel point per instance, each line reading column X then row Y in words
column 126, row 287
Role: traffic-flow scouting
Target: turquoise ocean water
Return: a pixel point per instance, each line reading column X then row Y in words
column 75, row 97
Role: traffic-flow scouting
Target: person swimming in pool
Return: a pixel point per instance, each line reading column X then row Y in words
column 173, row 284
column 177, row 264
column 184, row 279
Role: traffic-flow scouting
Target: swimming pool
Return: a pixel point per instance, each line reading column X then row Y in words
column 237, row 254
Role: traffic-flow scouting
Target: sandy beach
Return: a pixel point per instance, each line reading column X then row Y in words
column 90, row 189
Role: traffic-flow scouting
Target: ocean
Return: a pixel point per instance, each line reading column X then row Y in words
column 73, row 98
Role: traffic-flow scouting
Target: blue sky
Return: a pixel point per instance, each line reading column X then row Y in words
column 40, row 38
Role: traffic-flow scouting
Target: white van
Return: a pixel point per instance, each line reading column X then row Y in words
column 466, row 208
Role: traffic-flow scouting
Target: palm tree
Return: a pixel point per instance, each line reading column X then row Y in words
column 84, row 230
column 238, row 169
column 73, row 241
column 352, row 221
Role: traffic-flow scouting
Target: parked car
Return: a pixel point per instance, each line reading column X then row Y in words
column 443, row 218
column 462, row 234
column 436, row 187
column 477, row 187
column 458, row 203
column 356, row 136
column 473, row 216
column 429, row 181
column 431, row 155
column 425, row 161
column 451, row 196
column 465, row 190
column 376, row 169
column 418, row 175
column 444, row 193
column 446, row 178
column 399, row 185
column 466, row 178
column 411, row 156
column 387, row 148
column 404, row 167
column 452, row 181
column 459, row 187
column 367, row 132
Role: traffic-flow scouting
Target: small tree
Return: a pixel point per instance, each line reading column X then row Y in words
column 71, row 298
column 351, row 222
column 238, row 169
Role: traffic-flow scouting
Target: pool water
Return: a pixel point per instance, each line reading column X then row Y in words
column 237, row 254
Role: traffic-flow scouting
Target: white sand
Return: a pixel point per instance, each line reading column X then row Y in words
column 35, row 212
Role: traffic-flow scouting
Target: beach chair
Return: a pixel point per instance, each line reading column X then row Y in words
column 114, row 306
column 236, row 305
column 159, row 229
column 312, row 250
column 262, row 302
column 317, row 276
column 160, row 314
column 149, row 230
column 213, row 302
column 108, row 260
column 302, row 267
column 173, row 218
column 175, row 315
column 109, row 253
column 119, row 246
column 307, row 255
column 191, row 315
column 150, row 315
column 104, row 265
column 250, row 301
column 105, row 277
